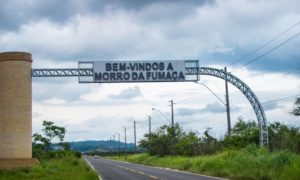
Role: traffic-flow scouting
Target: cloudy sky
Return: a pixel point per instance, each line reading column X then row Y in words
column 219, row 33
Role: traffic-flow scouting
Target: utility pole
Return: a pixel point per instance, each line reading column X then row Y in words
column 114, row 148
column 227, row 104
column 110, row 145
column 119, row 145
column 134, row 124
column 107, row 144
column 172, row 112
column 125, row 143
column 149, row 126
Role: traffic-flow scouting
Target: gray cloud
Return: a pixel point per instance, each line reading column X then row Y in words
column 15, row 13
column 67, row 90
column 36, row 115
column 217, row 33
column 219, row 108
column 271, row 106
column 214, row 108
column 128, row 93
column 187, row 111
column 209, row 108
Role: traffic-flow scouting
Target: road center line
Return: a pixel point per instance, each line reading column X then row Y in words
column 135, row 171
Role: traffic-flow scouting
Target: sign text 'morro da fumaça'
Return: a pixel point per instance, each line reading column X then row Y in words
column 139, row 71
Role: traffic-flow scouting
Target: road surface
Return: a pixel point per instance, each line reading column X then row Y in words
column 116, row 170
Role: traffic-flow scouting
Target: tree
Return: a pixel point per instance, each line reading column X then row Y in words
column 208, row 144
column 284, row 137
column 188, row 145
column 163, row 141
column 243, row 134
column 172, row 140
column 40, row 142
column 51, row 131
column 296, row 110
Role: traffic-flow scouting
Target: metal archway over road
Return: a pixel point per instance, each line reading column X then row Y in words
column 16, row 94
column 86, row 74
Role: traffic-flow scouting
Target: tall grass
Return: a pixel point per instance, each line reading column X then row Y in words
column 65, row 168
column 248, row 163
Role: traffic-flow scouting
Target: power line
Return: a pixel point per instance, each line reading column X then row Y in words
column 139, row 123
column 206, row 118
column 265, row 44
column 281, row 99
column 267, row 102
column 271, row 50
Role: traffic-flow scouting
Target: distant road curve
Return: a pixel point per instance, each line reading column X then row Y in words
column 116, row 170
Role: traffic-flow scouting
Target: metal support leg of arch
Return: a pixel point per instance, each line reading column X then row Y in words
column 258, row 109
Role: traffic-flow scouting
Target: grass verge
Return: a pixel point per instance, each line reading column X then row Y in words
column 248, row 163
column 64, row 168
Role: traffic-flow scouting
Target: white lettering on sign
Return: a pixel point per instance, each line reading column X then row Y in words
column 139, row 71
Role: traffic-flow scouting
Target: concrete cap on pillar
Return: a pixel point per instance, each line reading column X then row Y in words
column 17, row 56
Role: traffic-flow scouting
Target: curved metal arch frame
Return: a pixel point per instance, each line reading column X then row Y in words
column 252, row 98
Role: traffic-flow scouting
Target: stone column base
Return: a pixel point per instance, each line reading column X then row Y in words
column 10, row 164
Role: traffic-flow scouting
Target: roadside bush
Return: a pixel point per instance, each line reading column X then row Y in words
column 168, row 140
column 281, row 136
column 45, row 155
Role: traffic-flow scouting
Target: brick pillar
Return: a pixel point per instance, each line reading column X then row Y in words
column 15, row 110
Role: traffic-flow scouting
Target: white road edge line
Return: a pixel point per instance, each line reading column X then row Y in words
column 92, row 167
column 170, row 169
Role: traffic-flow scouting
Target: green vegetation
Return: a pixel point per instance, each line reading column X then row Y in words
column 247, row 163
column 168, row 140
column 236, row 157
column 54, row 164
column 43, row 143
column 62, row 166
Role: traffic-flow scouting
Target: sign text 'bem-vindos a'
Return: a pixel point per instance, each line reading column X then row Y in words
column 139, row 71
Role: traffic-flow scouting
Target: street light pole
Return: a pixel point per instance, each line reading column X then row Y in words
column 212, row 92
column 226, row 104
column 154, row 109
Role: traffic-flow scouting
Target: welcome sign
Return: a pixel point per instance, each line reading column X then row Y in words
column 138, row 71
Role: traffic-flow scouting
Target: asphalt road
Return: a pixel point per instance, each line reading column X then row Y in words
column 116, row 170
